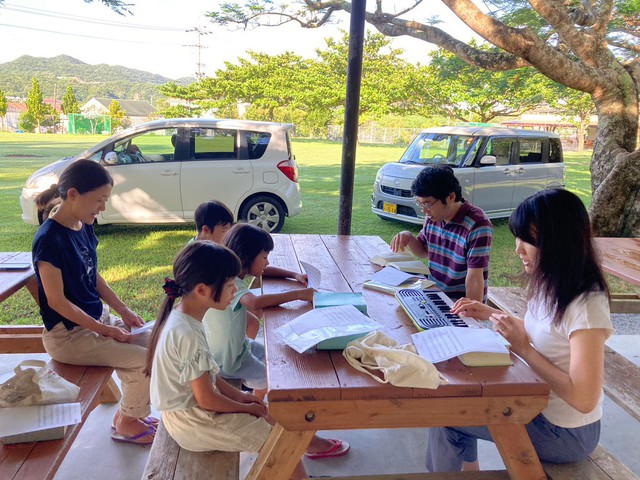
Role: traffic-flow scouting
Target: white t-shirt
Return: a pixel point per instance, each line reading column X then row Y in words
column 181, row 356
column 585, row 312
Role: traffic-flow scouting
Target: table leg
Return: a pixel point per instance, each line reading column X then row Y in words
column 32, row 286
column 517, row 451
column 280, row 454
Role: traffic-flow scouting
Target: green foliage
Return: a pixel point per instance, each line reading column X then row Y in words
column 3, row 108
column 472, row 94
column 70, row 102
column 87, row 80
column 117, row 114
column 37, row 110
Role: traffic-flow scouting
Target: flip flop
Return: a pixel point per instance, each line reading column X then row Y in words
column 135, row 439
column 338, row 449
column 151, row 421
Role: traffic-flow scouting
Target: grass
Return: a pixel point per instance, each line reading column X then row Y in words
column 135, row 259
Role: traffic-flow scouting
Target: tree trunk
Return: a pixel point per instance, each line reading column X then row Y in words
column 615, row 166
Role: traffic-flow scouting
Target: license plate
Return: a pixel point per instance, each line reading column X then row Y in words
column 390, row 207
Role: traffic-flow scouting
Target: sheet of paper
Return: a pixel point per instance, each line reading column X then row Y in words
column 439, row 344
column 16, row 420
column 391, row 276
column 147, row 327
column 327, row 317
column 313, row 274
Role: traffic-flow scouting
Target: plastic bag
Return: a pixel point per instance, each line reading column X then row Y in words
column 35, row 384
column 387, row 362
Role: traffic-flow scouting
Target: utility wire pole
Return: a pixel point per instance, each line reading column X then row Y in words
column 200, row 31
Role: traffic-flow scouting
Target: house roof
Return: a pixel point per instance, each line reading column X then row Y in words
column 133, row 108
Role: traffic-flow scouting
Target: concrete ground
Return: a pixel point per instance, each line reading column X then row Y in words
column 95, row 456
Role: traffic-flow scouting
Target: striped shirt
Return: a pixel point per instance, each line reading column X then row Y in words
column 455, row 246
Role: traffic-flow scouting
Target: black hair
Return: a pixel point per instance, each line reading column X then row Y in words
column 83, row 175
column 437, row 181
column 557, row 223
column 212, row 213
column 247, row 241
column 198, row 262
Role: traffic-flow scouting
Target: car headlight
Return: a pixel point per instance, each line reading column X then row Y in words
column 379, row 177
column 42, row 182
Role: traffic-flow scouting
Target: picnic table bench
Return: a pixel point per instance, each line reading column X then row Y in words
column 621, row 384
column 40, row 460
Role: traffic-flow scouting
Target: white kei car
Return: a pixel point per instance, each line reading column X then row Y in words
column 162, row 170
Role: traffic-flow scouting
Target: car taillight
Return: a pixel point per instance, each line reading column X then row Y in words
column 290, row 169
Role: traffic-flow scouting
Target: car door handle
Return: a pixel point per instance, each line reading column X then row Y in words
column 506, row 171
column 521, row 170
column 241, row 170
column 169, row 173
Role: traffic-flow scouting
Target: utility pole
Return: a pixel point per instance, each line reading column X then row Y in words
column 200, row 31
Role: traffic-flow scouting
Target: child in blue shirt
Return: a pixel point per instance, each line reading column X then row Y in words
column 213, row 221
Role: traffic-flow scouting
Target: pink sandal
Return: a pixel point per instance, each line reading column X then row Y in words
column 338, row 449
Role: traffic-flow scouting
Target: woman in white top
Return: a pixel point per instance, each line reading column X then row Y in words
column 561, row 337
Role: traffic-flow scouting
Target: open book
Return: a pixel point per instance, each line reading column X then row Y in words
column 402, row 261
column 413, row 282
column 475, row 347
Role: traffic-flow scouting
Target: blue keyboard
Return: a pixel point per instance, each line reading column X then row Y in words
column 431, row 309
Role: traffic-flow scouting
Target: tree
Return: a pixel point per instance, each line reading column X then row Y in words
column 591, row 46
column 578, row 108
column 117, row 114
column 70, row 102
column 37, row 110
column 4, row 104
column 188, row 95
column 471, row 94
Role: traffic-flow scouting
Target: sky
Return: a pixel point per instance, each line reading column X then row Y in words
column 160, row 37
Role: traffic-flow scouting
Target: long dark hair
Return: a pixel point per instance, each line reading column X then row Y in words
column 247, row 241
column 198, row 262
column 83, row 175
column 557, row 223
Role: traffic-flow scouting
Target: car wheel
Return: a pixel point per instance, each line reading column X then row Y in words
column 265, row 212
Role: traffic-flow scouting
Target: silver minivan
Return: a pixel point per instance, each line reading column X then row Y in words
column 497, row 169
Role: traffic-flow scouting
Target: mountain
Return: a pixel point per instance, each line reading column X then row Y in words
column 56, row 73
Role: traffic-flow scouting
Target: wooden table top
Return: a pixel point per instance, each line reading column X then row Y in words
column 326, row 375
column 620, row 257
column 13, row 280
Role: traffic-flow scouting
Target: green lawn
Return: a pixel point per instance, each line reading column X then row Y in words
column 135, row 259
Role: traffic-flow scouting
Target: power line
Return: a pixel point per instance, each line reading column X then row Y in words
column 78, row 18
column 111, row 39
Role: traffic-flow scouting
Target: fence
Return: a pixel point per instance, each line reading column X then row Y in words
column 377, row 134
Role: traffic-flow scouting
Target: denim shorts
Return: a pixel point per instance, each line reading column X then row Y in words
column 253, row 371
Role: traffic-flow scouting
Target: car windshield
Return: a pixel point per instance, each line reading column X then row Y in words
column 439, row 148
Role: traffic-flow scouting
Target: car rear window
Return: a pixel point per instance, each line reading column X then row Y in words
column 207, row 143
column 257, row 143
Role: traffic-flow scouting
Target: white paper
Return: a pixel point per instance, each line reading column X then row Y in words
column 329, row 325
column 391, row 276
column 326, row 317
column 443, row 343
column 313, row 275
column 147, row 327
column 16, row 420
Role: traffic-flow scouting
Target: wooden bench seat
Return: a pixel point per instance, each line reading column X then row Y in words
column 167, row 461
column 40, row 460
column 621, row 384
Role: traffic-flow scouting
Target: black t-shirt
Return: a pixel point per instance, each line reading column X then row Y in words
column 74, row 253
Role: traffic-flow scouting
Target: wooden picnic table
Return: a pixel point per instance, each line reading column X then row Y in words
column 13, row 280
column 319, row 390
column 19, row 338
column 621, row 257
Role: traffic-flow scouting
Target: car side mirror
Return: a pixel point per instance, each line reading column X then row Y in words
column 488, row 160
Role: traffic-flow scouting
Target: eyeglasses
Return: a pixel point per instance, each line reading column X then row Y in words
column 426, row 206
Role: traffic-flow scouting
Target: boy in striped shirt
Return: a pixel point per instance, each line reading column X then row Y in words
column 456, row 236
